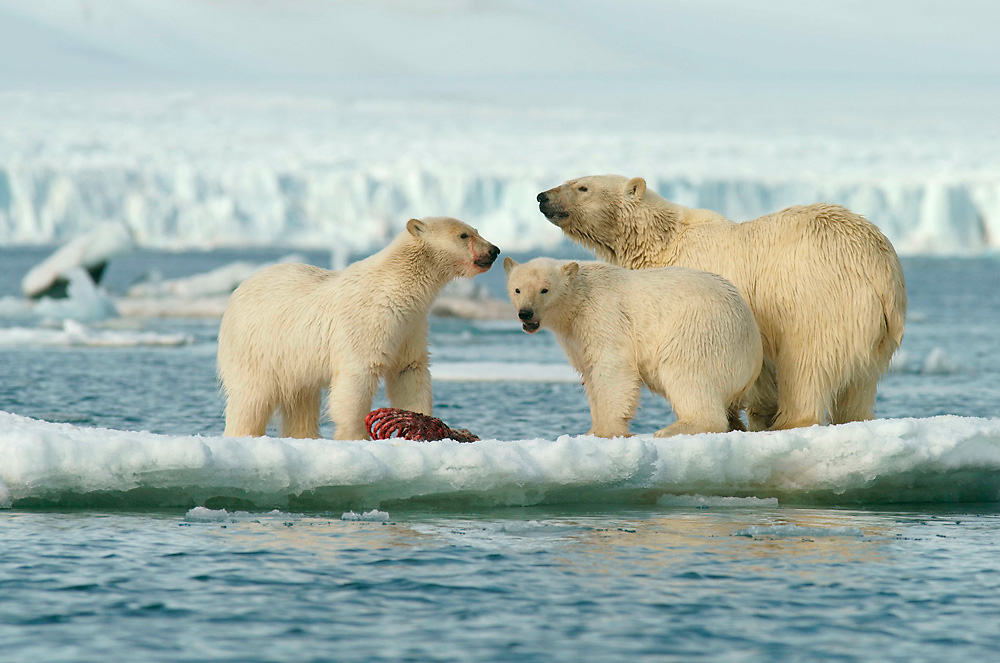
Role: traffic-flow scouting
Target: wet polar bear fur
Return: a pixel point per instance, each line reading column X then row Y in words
column 291, row 329
column 686, row 334
column 825, row 285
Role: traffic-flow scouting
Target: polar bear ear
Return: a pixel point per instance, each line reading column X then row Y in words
column 569, row 271
column 509, row 264
column 635, row 188
column 415, row 227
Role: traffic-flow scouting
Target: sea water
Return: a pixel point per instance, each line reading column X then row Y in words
column 133, row 532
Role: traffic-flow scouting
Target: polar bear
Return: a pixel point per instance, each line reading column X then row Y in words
column 291, row 329
column 825, row 285
column 686, row 334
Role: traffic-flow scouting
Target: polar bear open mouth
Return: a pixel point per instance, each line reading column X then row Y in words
column 531, row 326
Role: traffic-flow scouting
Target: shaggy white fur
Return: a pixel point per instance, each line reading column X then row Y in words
column 290, row 330
column 825, row 285
column 686, row 334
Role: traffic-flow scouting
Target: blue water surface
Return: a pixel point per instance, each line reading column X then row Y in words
column 760, row 581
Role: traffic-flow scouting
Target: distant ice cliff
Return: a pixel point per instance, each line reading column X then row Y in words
column 188, row 170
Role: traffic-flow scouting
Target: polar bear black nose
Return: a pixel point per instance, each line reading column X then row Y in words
column 525, row 314
column 494, row 251
column 542, row 197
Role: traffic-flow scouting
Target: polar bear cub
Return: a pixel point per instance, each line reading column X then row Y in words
column 291, row 329
column 686, row 334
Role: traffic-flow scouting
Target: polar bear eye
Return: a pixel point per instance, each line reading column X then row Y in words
column 464, row 236
column 517, row 291
column 544, row 290
column 582, row 188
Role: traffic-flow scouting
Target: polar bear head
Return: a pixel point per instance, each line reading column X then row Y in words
column 453, row 246
column 594, row 210
column 538, row 289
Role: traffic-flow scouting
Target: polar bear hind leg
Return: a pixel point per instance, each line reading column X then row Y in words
column 300, row 414
column 697, row 412
column 805, row 390
column 856, row 401
column 704, row 423
column 247, row 414
column 762, row 399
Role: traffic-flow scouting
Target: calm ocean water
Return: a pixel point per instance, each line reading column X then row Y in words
column 744, row 580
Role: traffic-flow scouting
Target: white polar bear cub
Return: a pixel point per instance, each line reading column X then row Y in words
column 685, row 334
column 291, row 329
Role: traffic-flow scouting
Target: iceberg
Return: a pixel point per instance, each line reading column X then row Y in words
column 90, row 251
column 79, row 299
column 84, row 300
column 943, row 459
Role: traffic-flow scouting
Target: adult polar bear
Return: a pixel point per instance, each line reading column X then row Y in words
column 825, row 285
column 292, row 329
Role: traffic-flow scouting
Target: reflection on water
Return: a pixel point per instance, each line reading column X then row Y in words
column 525, row 584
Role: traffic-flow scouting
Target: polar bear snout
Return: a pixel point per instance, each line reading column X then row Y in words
column 487, row 259
column 528, row 321
column 552, row 210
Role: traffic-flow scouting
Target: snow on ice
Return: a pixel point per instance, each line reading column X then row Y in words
column 939, row 459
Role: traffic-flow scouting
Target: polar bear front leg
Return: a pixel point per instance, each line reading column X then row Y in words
column 350, row 400
column 408, row 385
column 613, row 392
column 410, row 388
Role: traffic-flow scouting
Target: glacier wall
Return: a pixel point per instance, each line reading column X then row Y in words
column 192, row 170
column 185, row 206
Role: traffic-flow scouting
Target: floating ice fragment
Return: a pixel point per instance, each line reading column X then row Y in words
column 939, row 363
column 715, row 501
column 84, row 301
column 220, row 281
column 204, row 514
column 374, row 516
column 796, row 531
column 86, row 252
column 75, row 334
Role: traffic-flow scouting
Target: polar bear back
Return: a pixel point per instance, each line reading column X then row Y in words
column 283, row 304
column 672, row 314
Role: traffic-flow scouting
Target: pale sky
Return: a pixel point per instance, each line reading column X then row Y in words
column 314, row 42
